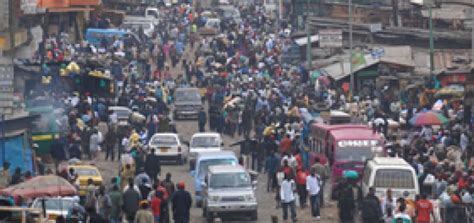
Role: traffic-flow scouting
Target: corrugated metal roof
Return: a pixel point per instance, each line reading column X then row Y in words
column 341, row 69
column 449, row 12
column 400, row 55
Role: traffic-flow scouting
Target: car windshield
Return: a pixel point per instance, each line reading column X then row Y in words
column 55, row 204
column 136, row 25
column 163, row 141
column 86, row 172
column 359, row 154
column 205, row 141
column 187, row 96
column 229, row 180
column 203, row 167
column 122, row 113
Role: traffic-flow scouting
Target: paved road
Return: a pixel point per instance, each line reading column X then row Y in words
column 265, row 200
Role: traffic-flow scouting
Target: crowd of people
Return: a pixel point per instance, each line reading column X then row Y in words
column 251, row 94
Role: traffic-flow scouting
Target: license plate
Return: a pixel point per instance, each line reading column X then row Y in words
column 164, row 150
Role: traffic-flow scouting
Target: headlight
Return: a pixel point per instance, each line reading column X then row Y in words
column 214, row 198
column 250, row 198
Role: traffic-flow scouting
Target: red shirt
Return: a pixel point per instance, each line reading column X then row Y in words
column 155, row 206
column 285, row 145
column 287, row 170
column 423, row 208
column 301, row 177
column 164, row 191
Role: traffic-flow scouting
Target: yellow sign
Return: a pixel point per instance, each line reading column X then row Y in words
column 3, row 42
column 42, row 137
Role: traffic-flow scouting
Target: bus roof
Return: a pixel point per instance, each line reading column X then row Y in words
column 326, row 127
column 349, row 134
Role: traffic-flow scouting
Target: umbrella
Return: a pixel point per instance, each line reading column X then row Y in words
column 41, row 186
column 350, row 174
column 428, row 118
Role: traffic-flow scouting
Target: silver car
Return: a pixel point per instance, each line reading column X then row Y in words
column 229, row 190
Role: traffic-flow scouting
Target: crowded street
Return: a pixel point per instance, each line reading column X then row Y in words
column 235, row 111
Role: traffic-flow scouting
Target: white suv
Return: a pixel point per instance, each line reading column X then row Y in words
column 229, row 190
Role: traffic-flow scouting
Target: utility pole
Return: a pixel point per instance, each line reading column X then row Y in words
column 431, row 40
column 351, row 88
column 308, row 35
column 472, row 37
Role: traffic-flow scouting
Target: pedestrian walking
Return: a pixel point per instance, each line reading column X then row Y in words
column 110, row 141
column 313, row 186
column 104, row 203
column 144, row 214
column 152, row 165
column 182, row 202
column 287, row 195
column 202, row 120
column 371, row 208
column 424, row 208
column 116, row 201
column 155, row 204
column 323, row 172
column 272, row 165
column 300, row 180
column 131, row 199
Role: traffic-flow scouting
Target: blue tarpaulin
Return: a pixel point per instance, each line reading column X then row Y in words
column 18, row 153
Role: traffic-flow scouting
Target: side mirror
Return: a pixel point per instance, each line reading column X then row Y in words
column 203, row 184
column 186, row 143
column 222, row 144
column 192, row 173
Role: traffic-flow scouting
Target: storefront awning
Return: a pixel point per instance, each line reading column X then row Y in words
column 70, row 9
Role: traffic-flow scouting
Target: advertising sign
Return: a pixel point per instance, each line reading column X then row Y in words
column 330, row 38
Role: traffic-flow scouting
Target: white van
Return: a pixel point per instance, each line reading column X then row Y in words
column 204, row 142
column 384, row 173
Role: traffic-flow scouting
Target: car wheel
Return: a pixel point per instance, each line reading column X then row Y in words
column 192, row 164
column 209, row 216
column 199, row 204
column 254, row 215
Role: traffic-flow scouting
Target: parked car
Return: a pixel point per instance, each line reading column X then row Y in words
column 84, row 173
column 123, row 113
column 55, row 206
column 204, row 143
column 169, row 146
column 229, row 190
column 187, row 102
column 396, row 174
column 203, row 162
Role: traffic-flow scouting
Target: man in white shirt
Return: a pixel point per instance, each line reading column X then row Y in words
column 313, row 187
column 287, row 196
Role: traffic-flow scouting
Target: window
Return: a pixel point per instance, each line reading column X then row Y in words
column 206, row 141
column 394, row 178
column 230, row 180
column 204, row 165
column 164, row 141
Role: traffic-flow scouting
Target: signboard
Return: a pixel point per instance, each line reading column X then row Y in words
column 4, row 14
column 375, row 27
column 6, row 88
column 330, row 38
column 357, row 143
column 31, row 7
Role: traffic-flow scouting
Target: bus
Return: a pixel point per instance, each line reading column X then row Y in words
column 344, row 147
